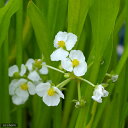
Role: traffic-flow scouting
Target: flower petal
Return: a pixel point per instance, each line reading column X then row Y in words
column 105, row 93
column 59, row 54
column 44, row 69
column 51, row 100
column 21, row 93
column 42, row 88
column 81, row 69
column 77, row 54
column 31, row 88
column 18, row 100
column 59, row 92
column 21, row 81
column 71, row 41
column 61, row 36
column 99, row 100
column 98, row 93
column 29, row 64
column 13, row 69
column 34, row 76
column 12, row 87
column 67, row 65
column 23, row 70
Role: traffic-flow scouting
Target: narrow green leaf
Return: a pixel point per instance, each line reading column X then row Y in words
column 39, row 23
column 5, row 15
column 4, row 81
column 103, row 22
column 103, row 16
column 77, row 12
column 105, row 61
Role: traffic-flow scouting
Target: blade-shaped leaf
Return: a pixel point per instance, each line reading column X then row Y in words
column 5, row 15
column 41, row 29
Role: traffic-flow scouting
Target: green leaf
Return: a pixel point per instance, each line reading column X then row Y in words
column 40, row 26
column 105, row 61
column 55, row 19
column 77, row 12
column 103, row 21
column 4, row 81
column 5, row 15
column 103, row 16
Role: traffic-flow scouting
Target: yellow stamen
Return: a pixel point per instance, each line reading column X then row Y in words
column 51, row 92
column 24, row 86
column 61, row 43
column 75, row 62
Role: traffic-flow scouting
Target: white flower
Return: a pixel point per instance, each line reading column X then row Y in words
column 20, row 90
column 44, row 69
column 76, row 63
column 37, row 64
column 59, row 54
column 15, row 70
column 98, row 93
column 63, row 40
column 51, row 94
column 34, row 76
column 29, row 64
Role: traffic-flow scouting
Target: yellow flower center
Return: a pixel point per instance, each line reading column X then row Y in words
column 61, row 43
column 51, row 92
column 24, row 86
column 38, row 63
column 75, row 62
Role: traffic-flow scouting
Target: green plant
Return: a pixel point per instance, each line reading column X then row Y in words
column 27, row 30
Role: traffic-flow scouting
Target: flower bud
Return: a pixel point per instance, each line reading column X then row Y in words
column 67, row 75
column 114, row 78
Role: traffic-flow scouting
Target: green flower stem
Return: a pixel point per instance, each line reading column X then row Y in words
column 89, row 125
column 62, row 84
column 79, row 91
column 56, row 69
column 88, row 82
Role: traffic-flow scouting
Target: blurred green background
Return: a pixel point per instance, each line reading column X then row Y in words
column 27, row 30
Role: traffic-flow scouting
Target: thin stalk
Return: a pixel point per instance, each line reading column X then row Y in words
column 70, row 94
column 93, row 115
column 88, row 82
column 62, row 84
column 79, row 91
column 53, row 68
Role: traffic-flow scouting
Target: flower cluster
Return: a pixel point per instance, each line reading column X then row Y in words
column 28, row 79
column 71, row 60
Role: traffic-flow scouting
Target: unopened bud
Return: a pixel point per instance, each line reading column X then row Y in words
column 114, row 78
column 66, row 75
column 60, row 67
column 80, row 103
column 16, row 75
